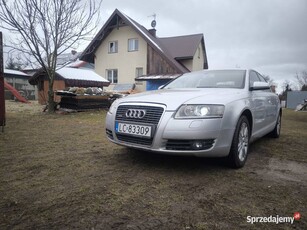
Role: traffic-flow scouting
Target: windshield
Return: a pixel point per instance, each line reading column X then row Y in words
column 210, row 79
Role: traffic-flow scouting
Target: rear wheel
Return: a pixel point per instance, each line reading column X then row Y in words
column 240, row 144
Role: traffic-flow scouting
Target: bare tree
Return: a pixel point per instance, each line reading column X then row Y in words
column 13, row 63
column 302, row 80
column 269, row 79
column 46, row 29
column 287, row 86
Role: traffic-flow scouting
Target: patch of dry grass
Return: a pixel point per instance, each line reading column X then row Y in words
column 292, row 144
column 60, row 171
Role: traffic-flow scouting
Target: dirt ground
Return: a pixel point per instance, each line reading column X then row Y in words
column 60, row 172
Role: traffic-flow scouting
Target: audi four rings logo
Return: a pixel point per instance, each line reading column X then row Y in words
column 135, row 113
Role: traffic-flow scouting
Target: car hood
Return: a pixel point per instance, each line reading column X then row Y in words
column 173, row 98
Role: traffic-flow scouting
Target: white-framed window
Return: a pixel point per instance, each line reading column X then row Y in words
column 133, row 44
column 138, row 71
column 113, row 47
column 112, row 75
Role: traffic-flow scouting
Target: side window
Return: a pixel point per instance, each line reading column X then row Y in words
column 112, row 75
column 138, row 72
column 113, row 47
column 133, row 44
column 252, row 78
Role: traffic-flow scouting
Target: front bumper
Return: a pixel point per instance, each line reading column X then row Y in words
column 181, row 130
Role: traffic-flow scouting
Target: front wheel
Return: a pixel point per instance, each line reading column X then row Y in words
column 240, row 144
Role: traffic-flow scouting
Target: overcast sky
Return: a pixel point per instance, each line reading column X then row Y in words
column 269, row 36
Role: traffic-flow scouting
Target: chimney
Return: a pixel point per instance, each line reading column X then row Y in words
column 152, row 32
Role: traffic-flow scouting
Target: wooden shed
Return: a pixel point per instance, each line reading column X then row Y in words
column 66, row 77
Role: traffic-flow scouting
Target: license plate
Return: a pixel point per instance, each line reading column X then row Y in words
column 133, row 129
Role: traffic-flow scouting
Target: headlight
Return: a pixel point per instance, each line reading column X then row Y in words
column 200, row 111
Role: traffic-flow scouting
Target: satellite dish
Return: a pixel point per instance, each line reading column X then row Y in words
column 153, row 23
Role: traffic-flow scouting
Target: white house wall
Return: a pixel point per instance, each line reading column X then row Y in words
column 188, row 64
column 125, row 62
column 197, row 63
column 198, row 59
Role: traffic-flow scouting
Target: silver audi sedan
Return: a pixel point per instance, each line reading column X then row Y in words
column 209, row 113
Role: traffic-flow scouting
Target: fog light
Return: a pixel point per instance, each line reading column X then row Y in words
column 197, row 145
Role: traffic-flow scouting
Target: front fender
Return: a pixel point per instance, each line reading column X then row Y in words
column 233, row 112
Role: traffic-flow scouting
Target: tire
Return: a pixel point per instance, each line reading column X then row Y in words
column 240, row 144
column 276, row 131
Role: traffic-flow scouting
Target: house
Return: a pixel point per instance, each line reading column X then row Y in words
column 67, row 58
column 125, row 52
column 19, row 81
column 66, row 77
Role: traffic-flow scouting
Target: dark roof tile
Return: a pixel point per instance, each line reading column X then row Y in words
column 182, row 46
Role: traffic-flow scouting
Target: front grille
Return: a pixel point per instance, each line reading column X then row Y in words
column 152, row 117
column 188, row 144
column 153, row 114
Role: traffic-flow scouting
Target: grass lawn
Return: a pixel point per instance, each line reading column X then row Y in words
column 60, row 172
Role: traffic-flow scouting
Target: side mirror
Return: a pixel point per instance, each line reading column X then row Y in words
column 259, row 85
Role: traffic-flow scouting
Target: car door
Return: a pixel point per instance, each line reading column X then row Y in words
column 258, row 104
column 272, row 105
